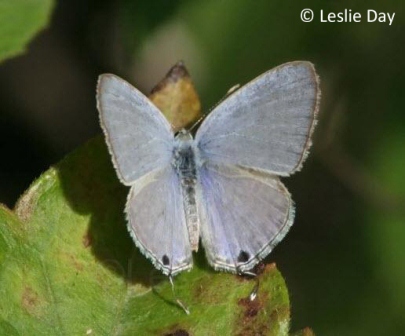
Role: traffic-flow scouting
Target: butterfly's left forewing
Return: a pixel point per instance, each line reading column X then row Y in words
column 244, row 215
column 267, row 123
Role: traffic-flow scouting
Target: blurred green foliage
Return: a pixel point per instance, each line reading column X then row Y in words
column 19, row 21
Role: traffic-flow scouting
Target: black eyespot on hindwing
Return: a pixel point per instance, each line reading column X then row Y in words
column 243, row 256
column 165, row 260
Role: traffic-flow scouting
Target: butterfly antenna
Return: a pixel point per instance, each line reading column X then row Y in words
column 197, row 122
column 178, row 301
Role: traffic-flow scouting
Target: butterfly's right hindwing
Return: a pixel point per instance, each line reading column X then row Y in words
column 156, row 221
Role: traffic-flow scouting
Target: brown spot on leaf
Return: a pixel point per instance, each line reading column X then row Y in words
column 174, row 330
column 251, row 307
column 29, row 299
column 178, row 332
column 87, row 239
column 78, row 265
column 72, row 259
column 252, row 320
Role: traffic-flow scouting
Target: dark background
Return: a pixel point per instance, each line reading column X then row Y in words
column 344, row 259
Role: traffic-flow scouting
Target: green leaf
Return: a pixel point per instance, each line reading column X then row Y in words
column 68, row 266
column 20, row 21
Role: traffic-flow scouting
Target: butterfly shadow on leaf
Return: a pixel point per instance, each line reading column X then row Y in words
column 91, row 188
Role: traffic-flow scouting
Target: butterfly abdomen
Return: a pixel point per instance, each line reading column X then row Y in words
column 185, row 165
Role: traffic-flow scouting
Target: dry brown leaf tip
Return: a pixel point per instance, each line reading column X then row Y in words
column 177, row 98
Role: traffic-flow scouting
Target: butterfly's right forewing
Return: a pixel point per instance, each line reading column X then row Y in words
column 139, row 137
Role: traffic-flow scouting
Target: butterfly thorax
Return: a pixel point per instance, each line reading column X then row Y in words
column 184, row 163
